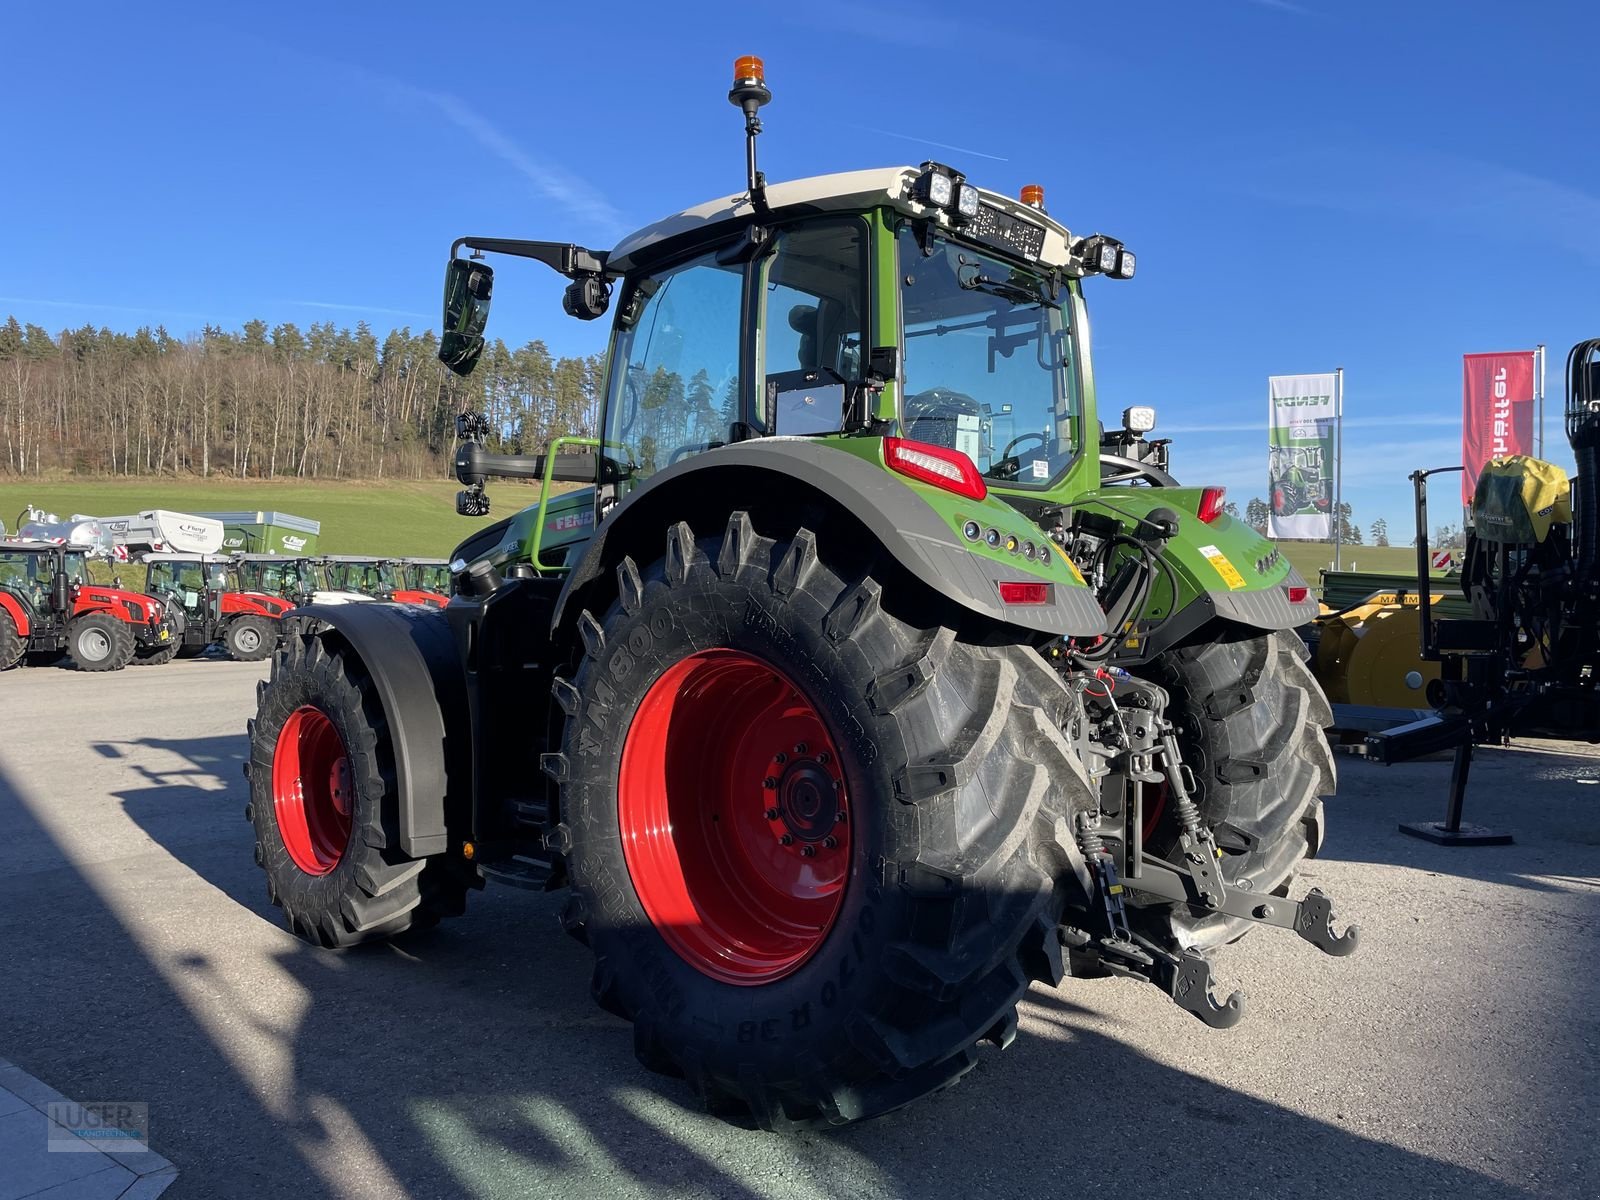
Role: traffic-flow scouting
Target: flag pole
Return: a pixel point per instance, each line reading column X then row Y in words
column 1338, row 463
column 1539, row 438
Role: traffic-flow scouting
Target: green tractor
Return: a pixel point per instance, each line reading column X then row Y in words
column 857, row 690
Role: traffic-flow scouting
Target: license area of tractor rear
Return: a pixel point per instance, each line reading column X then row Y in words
column 1455, row 1055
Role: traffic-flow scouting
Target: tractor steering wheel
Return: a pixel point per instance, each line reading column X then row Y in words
column 1008, row 464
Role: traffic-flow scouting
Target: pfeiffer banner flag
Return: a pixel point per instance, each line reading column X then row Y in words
column 1496, row 411
column 1300, row 457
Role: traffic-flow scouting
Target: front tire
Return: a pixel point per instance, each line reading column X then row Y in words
column 155, row 657
column 322, row 801
column 12, row 645
column 742, row 689
column 250, row 638
column 100, row 642
column 1250, row 720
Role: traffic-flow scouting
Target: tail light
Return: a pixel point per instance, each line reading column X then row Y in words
column 1211, row 499
column 939, row 465
column 1025, row 593
column 1298, row 595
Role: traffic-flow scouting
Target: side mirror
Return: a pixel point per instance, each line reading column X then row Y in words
column 467, row 288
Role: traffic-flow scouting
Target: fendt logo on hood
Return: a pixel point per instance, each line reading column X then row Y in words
column 291, row 542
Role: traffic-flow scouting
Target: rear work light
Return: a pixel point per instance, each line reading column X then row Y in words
column 939, row 465
column 1298, row 595
column 1025, row 593
column 1211, row 499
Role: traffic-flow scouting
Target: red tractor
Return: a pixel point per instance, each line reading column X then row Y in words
column 381, row 579
column 49, row 608
column 428, row 577
column 212, row 608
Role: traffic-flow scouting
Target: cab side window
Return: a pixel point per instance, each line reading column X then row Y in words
column 813, row 320
column 678, row 389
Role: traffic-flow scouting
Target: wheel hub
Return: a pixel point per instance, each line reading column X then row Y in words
column 734, row 817
column 311, row 791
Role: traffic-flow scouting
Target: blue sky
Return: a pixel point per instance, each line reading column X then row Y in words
column 1308, row 183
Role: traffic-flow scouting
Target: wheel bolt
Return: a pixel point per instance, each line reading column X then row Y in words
column 824, row 758
column 838, row 785
column 769, row 783
column 830, row 842
column 771, row 814
column 780, row 758
column 839, row 817
column 808, row 851
column 799, row 747
column 785, row 839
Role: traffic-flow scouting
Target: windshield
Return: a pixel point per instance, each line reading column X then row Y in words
column 77, row 566
column 989, row 360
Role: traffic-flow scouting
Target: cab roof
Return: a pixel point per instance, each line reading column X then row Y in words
column 844, row 191
column 33, row 546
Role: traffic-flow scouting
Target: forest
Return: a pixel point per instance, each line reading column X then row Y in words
column 278, row 402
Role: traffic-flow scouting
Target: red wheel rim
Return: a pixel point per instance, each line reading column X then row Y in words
column 311, row 790
column 735, row 818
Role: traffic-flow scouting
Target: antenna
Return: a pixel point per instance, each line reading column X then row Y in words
column 749, row 93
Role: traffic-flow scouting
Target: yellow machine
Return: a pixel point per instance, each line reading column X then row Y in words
column 1370, row 654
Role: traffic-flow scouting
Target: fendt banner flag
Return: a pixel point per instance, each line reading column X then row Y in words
column 1496, row 411
column 1301, row 455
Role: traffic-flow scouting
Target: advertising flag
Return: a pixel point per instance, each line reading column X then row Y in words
column 1302, row 418
column 1496, row 411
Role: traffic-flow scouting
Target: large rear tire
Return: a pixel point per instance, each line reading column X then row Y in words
column 819, row 843
column 100, row 642
column 1250, row 718
column 322, row 801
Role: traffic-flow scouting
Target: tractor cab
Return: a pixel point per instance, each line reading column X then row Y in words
column 375, row 578
column 417, row 581
column 301, row 580
column 427, row 575
column 193, row 582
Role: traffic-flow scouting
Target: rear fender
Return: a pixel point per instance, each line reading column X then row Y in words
column 18, row 611
column 885, row 512
column 411, row 658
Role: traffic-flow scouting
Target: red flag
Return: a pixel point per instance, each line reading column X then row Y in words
column 1496, row 411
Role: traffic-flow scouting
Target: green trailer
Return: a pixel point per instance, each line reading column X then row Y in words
column 267, row 532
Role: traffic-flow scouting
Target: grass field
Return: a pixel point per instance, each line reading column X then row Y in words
column 406, row 517
column 418, row 517
column 1311, row 558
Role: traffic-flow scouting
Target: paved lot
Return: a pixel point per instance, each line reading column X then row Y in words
column 1455, row 1055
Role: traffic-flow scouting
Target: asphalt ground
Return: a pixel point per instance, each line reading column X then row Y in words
column 1454, row 1055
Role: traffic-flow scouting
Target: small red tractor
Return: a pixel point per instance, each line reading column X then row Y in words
column 211, row 608
column 49, row 608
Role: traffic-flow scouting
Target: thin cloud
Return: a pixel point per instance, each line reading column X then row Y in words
column 548, row 180
column 95, row 306
column 1282, row 6
column 1448, row 192
column 906, row 137
column 361, row 308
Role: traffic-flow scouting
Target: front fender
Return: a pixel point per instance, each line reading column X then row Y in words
column 915, row 524
column 410, row 655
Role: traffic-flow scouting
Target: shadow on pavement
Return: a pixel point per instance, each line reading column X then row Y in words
column 470, row 1061
column 1546, row 795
